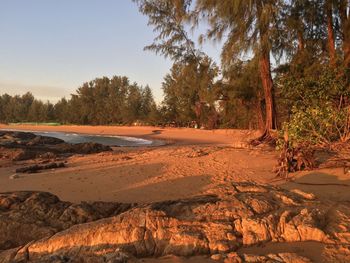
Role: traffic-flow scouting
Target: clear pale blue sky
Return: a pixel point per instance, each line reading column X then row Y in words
column 50, row 47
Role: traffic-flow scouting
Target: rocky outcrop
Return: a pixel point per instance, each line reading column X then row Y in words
column 28, row 216
column 270, row 258
column 21, row 146
column 247, row 215
column 38, row 167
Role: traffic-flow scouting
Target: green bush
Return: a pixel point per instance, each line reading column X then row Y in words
column 319, row 109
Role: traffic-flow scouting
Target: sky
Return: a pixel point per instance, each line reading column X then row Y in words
column 51, row 47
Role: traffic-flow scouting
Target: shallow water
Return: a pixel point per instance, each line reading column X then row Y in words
column 111, row 140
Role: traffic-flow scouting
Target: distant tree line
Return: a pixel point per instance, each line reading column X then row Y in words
column 101, row 101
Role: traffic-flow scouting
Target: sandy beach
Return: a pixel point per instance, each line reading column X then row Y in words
column 194, row 162
column 191, row 163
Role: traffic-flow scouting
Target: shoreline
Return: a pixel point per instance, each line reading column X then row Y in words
column 171, row 136
column 150, row 142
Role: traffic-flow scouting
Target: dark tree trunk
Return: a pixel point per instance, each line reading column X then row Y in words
column 330, row 30
column 259, row 114
column 265, row 74
column 267, row 83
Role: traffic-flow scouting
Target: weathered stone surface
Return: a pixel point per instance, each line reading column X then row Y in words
column 38, row 167
column 274, row 258
column 27, row 216
column 204, row 225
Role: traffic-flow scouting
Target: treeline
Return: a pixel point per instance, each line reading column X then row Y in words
column 101, row 101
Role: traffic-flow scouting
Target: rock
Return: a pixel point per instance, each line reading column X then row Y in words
column 202, row 225
column 43, row 140
column 308, row 196
column 28, row 216
column 276, row 258
column 48, row 155
column 37, row 167
column 216, row 257
column 14, row 176
column 197, row 153
column 233, row 257
column 21, row 146
column 83, row 148
column 249, row 187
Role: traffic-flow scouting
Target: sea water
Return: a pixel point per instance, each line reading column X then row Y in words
column 110, row 140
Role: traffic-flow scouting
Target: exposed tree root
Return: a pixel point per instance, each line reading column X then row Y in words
column 294, row 159
column 265, row 138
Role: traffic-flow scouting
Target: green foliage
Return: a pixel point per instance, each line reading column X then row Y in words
column 245, row 26
column 319, row 106
column 24, row 108
column 168, row 18
column 241, row 95
column 189, row 93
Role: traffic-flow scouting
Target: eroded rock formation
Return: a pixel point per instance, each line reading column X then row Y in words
column 20, row 146
column 28, row 216
column 48, row 230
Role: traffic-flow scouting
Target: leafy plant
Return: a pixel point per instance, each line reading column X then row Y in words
column 319, row 109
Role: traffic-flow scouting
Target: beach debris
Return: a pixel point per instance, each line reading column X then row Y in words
column 37, row 167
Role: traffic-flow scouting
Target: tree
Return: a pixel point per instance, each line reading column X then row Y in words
column 189, row 72
column 241, row 95
column 251, row 27
column 168, row 18
column 61, row 113
column 189, row 92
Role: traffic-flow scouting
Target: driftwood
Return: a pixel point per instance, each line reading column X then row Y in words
column 36, row 167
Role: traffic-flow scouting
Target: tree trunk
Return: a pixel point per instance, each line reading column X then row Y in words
column 345, row 22
column 301, row 44
column 267, row 83
column 265, row 73
column 330, row 30
column 259, row 114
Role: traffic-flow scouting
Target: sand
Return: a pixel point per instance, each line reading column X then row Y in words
column 194, row 162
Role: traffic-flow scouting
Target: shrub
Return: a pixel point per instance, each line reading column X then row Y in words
column 319, row 109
